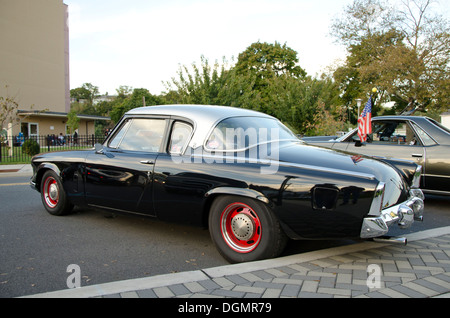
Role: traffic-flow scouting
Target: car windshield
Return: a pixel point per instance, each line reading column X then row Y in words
column 243, row 132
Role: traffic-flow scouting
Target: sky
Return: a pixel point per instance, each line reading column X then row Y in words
column 143, row 43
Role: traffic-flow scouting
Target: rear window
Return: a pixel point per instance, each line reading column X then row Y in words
column 238, row 133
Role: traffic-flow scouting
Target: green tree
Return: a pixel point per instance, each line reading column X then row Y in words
column 261, row 64
column 269, row 60
column 403, row 52
column 86, row 92
column 136, row 99
column 8, row 109
column 73, row 121
column 286, row 94
column 200, row 85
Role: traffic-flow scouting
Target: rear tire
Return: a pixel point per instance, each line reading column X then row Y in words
column 53, row 195
column 244, row 229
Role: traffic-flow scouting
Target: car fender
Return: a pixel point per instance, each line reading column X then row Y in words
column 406, row 168
column 40, row 170
column 238, row 191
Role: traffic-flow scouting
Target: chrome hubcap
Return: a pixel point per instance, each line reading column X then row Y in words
column 53, row 192
column 242, row 227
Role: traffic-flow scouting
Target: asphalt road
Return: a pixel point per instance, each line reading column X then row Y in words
column 36, row 248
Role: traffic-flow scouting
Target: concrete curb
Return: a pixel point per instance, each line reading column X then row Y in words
column 16, row 169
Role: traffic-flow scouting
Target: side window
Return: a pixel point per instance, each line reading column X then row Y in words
column 393, row 132
column 114, row 143
column 181, row 133
column 140, row 134
column 426, row 139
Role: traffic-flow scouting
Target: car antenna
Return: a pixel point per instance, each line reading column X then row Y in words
column 406, row 112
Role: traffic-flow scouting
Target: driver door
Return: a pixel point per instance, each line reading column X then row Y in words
column 120, row 176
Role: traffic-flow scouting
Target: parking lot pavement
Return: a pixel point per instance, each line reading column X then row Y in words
column 420, row 269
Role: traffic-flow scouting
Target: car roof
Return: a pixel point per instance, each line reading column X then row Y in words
column 399, row 117
column 204, row 117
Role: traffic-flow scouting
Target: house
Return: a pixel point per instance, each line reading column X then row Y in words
column 445, row 119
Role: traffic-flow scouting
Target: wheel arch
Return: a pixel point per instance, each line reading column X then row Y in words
column 212, row 194
column 40, row 171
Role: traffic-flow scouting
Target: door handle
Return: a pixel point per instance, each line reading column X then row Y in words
column 147, row 162
column 417, row 155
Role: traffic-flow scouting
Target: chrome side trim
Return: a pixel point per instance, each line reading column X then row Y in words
column 238, row 191
column 331, row 170
column 274, row 163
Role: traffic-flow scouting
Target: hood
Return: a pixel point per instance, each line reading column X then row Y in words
column 395, row 187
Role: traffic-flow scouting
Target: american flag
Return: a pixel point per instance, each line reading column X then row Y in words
column 357, row 158
column 365, row 121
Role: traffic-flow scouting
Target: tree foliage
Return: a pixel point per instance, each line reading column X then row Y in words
column 265, row 78
column 404, row 52
column 86, row 92
column 137, row 98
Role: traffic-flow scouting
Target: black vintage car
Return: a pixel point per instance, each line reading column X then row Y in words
column 241, row 173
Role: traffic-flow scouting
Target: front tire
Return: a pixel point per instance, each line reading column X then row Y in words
column 244, row 229
column 53, row 195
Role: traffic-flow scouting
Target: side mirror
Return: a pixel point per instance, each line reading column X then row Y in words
column 101, row 151
column 98, row 148
column 358, row 143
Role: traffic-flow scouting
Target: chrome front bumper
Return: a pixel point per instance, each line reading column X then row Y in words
column 403, row 214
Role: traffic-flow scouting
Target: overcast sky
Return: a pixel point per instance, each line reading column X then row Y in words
column 141, row 43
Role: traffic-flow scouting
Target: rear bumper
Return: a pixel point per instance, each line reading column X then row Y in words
column 403, row 214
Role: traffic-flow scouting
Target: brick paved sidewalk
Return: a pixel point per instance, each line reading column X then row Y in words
column 420, row 269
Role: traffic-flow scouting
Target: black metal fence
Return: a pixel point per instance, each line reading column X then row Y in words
column 11, row 150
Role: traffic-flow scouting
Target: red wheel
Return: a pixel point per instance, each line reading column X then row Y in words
column 240, row 227
column 244, row 229
column 50, row 192
column 53, row 195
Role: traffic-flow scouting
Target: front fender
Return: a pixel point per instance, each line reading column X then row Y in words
column 39, row 172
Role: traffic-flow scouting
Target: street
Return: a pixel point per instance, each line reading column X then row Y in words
column 37, row 248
